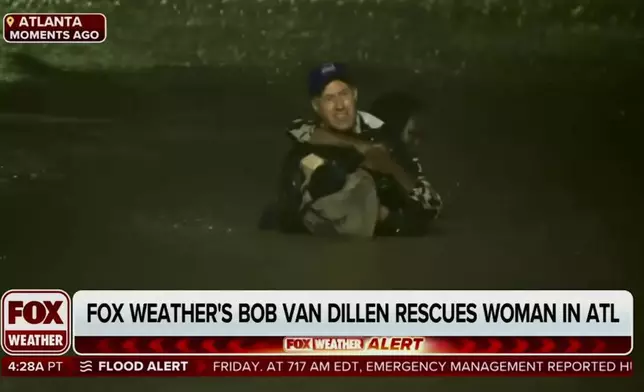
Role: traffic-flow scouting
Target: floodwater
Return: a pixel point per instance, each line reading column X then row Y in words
column 160, row 187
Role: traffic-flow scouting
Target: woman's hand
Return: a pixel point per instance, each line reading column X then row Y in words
column 379, row 160
column 383, row 213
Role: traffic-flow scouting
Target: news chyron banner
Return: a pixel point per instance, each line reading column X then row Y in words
column 25, row 28
column 317, row 333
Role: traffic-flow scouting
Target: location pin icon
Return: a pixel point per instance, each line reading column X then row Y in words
column 10, row 20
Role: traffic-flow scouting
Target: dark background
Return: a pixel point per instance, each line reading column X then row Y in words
column 143, row 162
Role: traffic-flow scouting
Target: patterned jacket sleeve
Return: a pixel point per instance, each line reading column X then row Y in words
column 300, row 131
column 424, row 193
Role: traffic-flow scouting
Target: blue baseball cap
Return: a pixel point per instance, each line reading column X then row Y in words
column 326, row 73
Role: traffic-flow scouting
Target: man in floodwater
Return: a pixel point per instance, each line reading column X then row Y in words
column 343, row 174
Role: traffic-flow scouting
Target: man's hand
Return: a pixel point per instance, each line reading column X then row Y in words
column 378, row 159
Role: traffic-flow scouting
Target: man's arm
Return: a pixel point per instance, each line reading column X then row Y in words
column 307, row 132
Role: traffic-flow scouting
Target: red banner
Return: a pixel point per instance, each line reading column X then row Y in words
column 54, row 28
column 317, row 366
column 611, row 345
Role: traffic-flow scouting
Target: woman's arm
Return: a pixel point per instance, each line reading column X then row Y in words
column 412, row 181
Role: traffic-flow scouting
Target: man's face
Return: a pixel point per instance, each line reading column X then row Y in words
column 337, row 106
